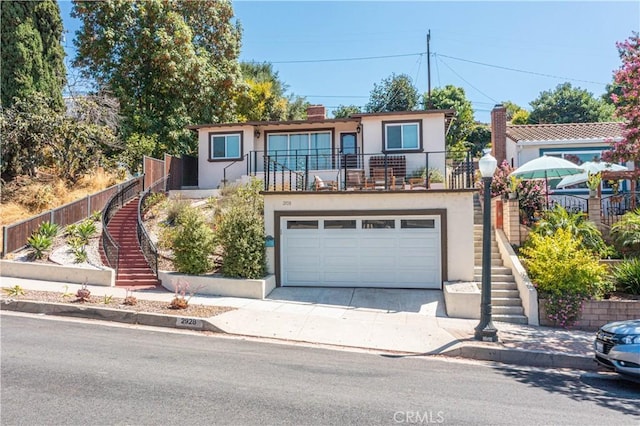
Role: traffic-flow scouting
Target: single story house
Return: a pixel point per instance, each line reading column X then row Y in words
column 346, row 200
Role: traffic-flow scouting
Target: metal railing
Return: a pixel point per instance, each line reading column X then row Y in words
column 279, row 177
column 109, row 246
column 615, row 206
column 148, row 248
column 224, row 171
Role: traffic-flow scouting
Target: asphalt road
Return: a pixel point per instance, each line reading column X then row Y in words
column 62, row 372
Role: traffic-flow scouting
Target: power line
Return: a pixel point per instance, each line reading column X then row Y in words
column 364, row 58
column 521, row 71
column 462, row 78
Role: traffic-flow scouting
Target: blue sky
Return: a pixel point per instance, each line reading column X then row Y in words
column 496, row 51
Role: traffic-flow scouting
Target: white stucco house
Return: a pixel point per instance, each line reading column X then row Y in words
column 342, row 207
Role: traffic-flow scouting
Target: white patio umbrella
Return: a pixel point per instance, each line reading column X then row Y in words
column 546, row 167
column 589, row 167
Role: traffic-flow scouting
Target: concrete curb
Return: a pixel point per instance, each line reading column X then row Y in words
column 110, row 314
column 529, row 358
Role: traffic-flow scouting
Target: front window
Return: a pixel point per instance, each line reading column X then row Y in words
column 225, row 146
column 299, row 150
column 402, row 136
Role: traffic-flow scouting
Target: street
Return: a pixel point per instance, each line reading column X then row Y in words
column 61, row 372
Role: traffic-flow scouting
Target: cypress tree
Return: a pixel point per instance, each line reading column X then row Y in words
column 32, row 56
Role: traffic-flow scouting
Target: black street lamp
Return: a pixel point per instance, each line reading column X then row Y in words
column 485, row 330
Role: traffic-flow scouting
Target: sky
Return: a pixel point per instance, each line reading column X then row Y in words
column 333, row 52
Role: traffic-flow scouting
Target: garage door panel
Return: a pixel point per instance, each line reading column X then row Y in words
column 362, row 257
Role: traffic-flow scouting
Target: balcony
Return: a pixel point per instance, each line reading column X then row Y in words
column 336, row 171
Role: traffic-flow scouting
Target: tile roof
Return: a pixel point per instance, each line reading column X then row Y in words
column 560, row 132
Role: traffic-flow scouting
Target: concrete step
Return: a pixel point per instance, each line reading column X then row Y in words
column 495, row 270
column 513, row 319
column 495, row 278
column 506, row 309
column 494, row 262
column 506, row 301
column 505, row 294
column 504, row 285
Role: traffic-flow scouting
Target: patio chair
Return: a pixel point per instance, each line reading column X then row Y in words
column 378, row 180
column 355, row 179
column 417, row 183
column 321, row 185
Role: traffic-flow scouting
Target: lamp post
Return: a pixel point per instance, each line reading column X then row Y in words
column 485, row 330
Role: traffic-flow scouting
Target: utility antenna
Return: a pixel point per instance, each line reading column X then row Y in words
column 429, row 104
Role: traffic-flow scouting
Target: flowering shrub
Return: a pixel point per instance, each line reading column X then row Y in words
column 563, row 272
column 564, row 310
column 532, row 198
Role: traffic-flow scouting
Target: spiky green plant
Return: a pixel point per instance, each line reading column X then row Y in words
column 48, row 229
column 626, row 276
column 40, row 244
column 577, row 225
column 626, row 233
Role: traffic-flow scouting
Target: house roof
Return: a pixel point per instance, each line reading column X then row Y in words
column 564, row 132
column 354, row 118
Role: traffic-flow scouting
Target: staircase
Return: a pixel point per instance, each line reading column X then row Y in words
column 505, row 298
column 133, row 269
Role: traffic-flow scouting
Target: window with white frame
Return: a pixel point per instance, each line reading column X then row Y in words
column 301, row 149
column 402, row 136
column 225, row 146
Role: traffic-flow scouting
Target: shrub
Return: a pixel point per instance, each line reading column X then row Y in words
column 153, row 199
column 240, row 233
column 564, row 272
column 48, row 229
column 577, row 224
column 80, row 254
column 193, row 243
column 626, row 276
column 85, row 230
column 40, row 244
column 626, row 233
column 175, row 209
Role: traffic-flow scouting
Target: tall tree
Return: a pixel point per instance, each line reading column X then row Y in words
column 264, row 97
column 169, row 63
column 567, row 104
column 32, row 56
column 394, row 93
column 452, row 97
column 515, row 113
column 627, row 102
column 344, row 111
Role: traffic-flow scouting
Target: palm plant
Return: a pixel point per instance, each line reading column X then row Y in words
column 626, row 233
column 577, row 224
column 626, row 276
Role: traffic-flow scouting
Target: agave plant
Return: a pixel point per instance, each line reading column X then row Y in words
column 626, row 276
column 48, row 229
column 40, row 244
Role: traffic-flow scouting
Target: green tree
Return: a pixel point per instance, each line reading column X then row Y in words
column 479, row 138
column 32, row 56
column 170, row 64
column 452, row 97
column 265, row 98
column 515, row 113
column 36, row 135
column 567, row 104
column 345, row 111
column 394, row 93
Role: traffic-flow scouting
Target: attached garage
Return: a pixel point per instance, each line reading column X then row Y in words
column 399, row 251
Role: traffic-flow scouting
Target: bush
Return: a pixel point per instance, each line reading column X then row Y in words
column 577, row 224
column 240, row 233
column 175, row 208
column 626, row 276
column 626, row 233
column 564, row 272
column 193, row 243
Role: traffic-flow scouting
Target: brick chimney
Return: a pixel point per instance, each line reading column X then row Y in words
column 316, row 112
column 499, row 133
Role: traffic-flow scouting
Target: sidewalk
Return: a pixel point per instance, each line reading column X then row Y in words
column 399, row 321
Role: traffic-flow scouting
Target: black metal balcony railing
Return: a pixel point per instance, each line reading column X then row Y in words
column 295, row 170
column 615, row 206
column 147, row 246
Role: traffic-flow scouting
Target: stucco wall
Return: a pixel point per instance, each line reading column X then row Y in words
column 433, row 138
column 458, row 206
column 210, row 173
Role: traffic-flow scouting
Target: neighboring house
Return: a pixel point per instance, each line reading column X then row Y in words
column 576, row 142
column 351, row 226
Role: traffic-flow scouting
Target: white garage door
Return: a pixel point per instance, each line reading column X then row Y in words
column 367, row 251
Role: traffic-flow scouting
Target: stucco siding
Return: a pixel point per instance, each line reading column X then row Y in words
column 457, row 218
